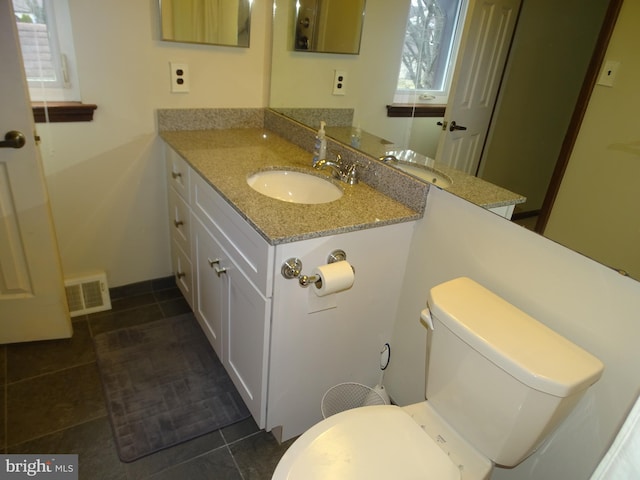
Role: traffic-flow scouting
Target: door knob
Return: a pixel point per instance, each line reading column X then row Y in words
column 13, row 139
column 453, row 126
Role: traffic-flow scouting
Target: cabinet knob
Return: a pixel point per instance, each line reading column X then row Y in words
column 179, row 275
column 178, row 223
column 220, row 271
column 176, row 175
column 213, row 262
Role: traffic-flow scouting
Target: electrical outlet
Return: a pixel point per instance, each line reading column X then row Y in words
column 179, row 77
column 608, row 73
column 339, row 82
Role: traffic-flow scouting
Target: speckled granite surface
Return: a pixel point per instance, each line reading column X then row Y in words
column 226, row 157
column 227, row 145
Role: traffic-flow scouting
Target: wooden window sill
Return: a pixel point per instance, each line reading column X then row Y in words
column 62, row 112
column 410, row 110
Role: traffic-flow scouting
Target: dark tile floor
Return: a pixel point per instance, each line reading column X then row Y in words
column 52, row 402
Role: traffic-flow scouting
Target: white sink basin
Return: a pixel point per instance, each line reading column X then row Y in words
column 294, row 187
column 425, row 173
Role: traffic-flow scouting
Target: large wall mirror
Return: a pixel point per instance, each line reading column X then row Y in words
column 531, row 119
column 328, row 26
column 212, row 22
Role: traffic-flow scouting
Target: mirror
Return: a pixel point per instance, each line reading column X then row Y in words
column 373, row 74
column 212, row 22
column 328, row 26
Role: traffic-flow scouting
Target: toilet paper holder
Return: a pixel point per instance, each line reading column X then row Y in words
column 292, row 268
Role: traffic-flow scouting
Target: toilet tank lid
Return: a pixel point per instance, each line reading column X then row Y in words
column 523, row 347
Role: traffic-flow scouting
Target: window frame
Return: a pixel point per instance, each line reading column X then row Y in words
column 435, row 98
column 60, row 102
column 66, row 86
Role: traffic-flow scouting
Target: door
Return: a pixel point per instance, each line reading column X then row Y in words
column 32, row 297
column 486, row 39
column 247, row 315
column 210, row 284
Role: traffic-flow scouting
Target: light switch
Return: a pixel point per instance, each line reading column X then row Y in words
column 608, row 73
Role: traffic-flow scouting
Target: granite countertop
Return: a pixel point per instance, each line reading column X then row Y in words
column 225, row 158
column 463, row 185
column 479, row 191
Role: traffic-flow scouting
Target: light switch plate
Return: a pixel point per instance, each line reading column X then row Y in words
column 608, row 74
column 179, row 77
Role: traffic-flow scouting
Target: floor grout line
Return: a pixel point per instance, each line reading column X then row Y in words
column 106, row 415
column 40, row 375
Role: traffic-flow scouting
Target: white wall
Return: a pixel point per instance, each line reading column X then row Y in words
column 591, row 305
column 105, row 178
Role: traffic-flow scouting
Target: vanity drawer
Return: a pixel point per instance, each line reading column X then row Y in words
column 178, row 173
column 179, row 221
column 182, row 271
column 251, row 253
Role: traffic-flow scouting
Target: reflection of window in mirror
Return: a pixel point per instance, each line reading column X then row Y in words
column 429, row 53
column 44, row 30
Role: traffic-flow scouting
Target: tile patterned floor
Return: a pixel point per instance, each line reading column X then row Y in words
column 52, row 402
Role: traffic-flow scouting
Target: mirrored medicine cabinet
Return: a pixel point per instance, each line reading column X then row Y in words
column 211, row 22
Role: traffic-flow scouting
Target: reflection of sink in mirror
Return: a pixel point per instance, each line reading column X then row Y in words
column 294, row 187
column 419, row 166
column 425, row 173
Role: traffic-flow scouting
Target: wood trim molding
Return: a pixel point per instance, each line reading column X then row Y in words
column 53, row 112
column 411, row 110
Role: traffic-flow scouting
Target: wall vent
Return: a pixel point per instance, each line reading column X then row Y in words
column 87, row 294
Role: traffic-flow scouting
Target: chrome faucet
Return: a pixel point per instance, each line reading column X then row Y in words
column 345, row 173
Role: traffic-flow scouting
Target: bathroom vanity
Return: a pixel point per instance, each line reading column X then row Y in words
column 282, row 344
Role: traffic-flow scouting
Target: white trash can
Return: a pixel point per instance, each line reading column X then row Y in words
column 346, row 396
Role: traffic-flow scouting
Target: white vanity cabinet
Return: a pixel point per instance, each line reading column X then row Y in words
column 223, row 267
column 282, row 345
column 232, row 295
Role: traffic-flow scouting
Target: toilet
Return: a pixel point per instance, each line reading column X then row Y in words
column 498, row 383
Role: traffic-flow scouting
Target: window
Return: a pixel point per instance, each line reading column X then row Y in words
column 44, row 29
column 429, row 52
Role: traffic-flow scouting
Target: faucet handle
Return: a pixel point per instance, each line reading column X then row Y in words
column 352, row 175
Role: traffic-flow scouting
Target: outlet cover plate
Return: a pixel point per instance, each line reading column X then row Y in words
column 179, row 77
column 339, row 82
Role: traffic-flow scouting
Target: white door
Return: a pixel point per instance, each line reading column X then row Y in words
column 486, row 39
column 32, row 297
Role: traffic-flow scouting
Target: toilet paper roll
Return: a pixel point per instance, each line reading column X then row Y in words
column 335, row 277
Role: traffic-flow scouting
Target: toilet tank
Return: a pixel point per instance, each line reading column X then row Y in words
column 503, row 380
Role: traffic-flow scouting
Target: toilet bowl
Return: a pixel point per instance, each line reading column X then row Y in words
column 382, row 442
column 536, row 378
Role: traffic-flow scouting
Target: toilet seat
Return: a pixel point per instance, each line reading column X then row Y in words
column 375, row 442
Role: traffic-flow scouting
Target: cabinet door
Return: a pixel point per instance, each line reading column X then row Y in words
column 246, row 341
column 211, row 285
